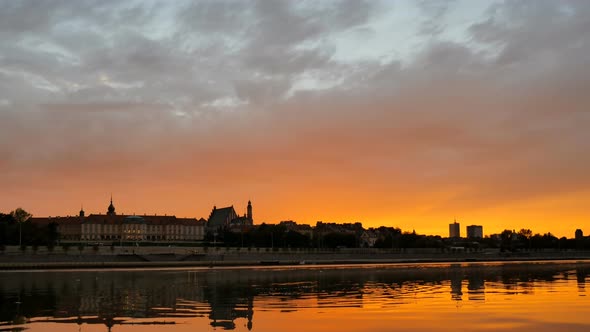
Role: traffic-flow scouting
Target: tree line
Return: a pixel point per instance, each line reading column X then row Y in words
column 279, row 236
column 17, row 229
column 523, row 240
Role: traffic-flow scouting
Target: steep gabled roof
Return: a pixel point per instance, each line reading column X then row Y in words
column 221, row 217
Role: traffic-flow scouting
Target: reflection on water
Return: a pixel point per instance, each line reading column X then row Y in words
column 341, row 298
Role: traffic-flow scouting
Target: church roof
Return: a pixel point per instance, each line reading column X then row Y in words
column 222, row 216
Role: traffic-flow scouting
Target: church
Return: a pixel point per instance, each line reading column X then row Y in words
column 226, row 218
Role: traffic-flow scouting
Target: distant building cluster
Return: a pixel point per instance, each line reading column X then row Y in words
column 472, row 231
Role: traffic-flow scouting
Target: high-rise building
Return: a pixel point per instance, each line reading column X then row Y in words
column 455, row 230
column 474, row 232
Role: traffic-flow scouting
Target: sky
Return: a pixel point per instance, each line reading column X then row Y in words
column 399, row 113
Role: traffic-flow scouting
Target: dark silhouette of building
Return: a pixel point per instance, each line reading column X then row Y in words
column 579, row 234
column 455, row 230
column 111, row 208
column 249, row 215
column 222, row 217
column 226, row 218
column 474, row 232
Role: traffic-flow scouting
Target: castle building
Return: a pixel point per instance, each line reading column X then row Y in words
column 111, row 227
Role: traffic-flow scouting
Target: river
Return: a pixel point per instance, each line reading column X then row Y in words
column 523, row 296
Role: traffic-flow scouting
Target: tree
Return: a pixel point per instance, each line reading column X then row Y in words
column 525, row 235
column 6, row 228
column 20, row 216
column 506, row 238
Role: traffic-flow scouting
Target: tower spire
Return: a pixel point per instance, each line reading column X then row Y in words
column 249, row 210
column 111, row 208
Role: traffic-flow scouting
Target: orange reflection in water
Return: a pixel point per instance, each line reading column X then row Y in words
column 427, row 297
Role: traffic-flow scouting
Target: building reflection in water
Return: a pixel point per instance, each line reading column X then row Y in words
column 229, row 297
column 581, row 275
column 456, row 276
column 476, row 286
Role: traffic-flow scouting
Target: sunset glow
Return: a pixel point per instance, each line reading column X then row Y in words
column 397, row 113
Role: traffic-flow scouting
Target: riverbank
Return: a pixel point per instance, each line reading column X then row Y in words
column 186, row 257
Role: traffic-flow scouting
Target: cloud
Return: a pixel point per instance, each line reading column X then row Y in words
column 207, row 95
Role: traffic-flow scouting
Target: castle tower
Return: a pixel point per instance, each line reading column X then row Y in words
column 111, row 208
column 249, row 213
column 81, row 211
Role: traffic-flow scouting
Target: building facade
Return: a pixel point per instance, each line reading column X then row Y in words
column 111, row 227
column 455, row 230
column 474, row 232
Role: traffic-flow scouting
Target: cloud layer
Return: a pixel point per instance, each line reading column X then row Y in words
column 397, row 113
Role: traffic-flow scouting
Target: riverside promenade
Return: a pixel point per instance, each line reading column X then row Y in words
column 12, row 258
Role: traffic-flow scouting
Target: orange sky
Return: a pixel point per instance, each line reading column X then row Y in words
column 345, row 114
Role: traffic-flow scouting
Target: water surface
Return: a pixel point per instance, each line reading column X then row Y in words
column 537, row 297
